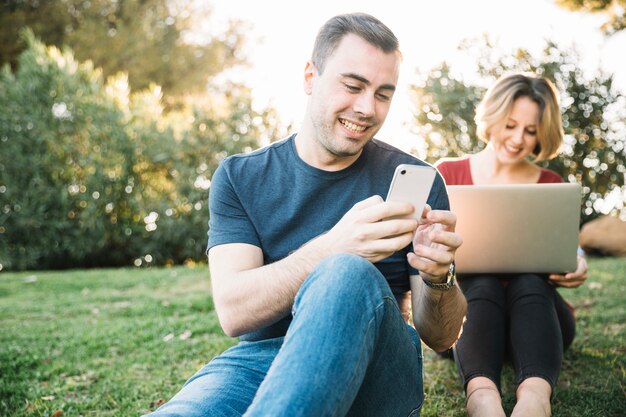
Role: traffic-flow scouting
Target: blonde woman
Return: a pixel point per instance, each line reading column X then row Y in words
column 520, row 317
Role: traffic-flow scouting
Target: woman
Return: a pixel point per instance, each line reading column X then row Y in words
column 521, row 317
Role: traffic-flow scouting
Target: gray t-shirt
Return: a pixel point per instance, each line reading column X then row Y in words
column 272, row 199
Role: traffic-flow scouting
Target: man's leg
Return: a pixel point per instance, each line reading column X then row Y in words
column 226, row 386
column 347, row 351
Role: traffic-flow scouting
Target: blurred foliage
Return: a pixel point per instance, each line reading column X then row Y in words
column 615, row 11
column 150, row 40
column 94, row 175
column 594, row 118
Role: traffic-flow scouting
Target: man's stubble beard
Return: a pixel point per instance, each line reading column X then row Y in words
column 326, row 137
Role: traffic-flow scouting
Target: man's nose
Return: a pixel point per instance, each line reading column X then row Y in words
column 365, row 104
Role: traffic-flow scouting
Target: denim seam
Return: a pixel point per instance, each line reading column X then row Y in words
column 369, row 328
column 416, row 411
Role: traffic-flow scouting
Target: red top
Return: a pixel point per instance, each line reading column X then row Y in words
column 456, row 171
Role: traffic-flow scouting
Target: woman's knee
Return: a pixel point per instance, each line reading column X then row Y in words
column 488, row 288
column 530, row 286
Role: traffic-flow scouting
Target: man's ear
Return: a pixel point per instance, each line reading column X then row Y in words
column 309, row 74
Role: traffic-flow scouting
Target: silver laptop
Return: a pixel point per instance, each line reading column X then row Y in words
column 517, row 228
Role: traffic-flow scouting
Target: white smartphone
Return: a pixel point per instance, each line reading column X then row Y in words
column 412, row 184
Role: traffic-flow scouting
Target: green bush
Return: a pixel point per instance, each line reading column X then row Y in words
column 92, row 175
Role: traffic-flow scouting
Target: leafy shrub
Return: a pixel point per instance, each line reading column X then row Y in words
column 92, row 175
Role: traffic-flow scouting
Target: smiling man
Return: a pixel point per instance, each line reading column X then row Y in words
column 313, row 271
column 347, row 107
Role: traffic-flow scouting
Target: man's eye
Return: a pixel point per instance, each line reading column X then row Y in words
column 509, row 126
column 383, row 97
column 352, row 88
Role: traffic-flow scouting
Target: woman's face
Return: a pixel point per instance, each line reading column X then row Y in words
column 515, row 137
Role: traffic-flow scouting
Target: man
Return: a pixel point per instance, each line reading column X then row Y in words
column 312, row 269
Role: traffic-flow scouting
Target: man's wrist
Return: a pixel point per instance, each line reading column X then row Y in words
column 447, row 283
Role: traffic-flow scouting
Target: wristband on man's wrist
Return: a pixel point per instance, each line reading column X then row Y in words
column 443, row 286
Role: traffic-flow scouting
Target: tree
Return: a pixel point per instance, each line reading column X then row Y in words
column 615, row 11
column 150, row 40
column 594, row 118
column 64, row 162
column 92, row 174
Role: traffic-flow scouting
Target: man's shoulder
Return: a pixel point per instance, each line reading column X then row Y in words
column 281, row 145
column 383, row 150
column 259, row 157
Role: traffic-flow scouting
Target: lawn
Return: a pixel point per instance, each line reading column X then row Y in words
column 117, row 342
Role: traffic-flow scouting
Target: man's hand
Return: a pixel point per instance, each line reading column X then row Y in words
column 434, row 244
column 366, row 230
column 437, row 315
column 249, row 295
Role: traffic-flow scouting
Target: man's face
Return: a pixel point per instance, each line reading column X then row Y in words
column 350, row 100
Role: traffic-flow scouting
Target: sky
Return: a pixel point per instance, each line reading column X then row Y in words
column 282, row 33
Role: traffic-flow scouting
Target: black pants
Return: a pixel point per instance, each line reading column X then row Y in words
column 521, row 317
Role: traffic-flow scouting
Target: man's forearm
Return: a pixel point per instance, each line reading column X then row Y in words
column 438, row 315
column 249, row 295
column 259, row 295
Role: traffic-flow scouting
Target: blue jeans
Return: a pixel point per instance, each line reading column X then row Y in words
column 347, row 352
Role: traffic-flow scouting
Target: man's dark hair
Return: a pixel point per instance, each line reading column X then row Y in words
column 363, row 25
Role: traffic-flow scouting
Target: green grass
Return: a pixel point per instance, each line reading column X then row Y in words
column 593, row 375
column 117, row 342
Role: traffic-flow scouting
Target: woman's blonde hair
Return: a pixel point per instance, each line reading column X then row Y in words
column 498, row 102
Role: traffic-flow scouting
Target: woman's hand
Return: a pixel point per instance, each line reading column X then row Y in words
column 572, row 279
